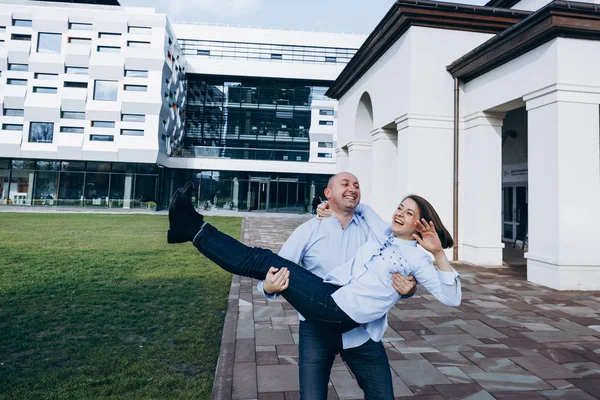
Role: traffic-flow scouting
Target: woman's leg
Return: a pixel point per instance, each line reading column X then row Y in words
column 306, row 292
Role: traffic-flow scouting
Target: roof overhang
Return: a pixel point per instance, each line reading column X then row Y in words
column 557, row 19
column 405, row 14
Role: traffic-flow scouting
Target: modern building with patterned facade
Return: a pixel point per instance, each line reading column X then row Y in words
column 110, row 106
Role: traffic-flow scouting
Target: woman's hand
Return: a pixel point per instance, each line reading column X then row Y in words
column 277, row 280
column 429, row 238
column 323, row 211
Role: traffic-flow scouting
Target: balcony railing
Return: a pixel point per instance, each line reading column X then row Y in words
column 244, row 153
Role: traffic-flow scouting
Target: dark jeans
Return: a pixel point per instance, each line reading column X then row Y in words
column 306, row 292
column 317, row 350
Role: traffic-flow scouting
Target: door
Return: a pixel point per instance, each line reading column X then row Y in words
column 258, row 194
column 514, row 212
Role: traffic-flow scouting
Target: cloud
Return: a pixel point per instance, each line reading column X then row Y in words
column 222, row 8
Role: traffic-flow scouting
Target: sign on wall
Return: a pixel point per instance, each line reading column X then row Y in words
column 514, row 173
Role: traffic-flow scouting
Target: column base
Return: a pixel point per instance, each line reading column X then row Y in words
column 481, row 254
column 563, row 277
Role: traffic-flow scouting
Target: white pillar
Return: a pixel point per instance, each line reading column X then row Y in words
column 341, row 159
column 385, row 197
column 127, row 190
column 480, row 188
column 564, row 189
column 426, row 161
column 360, row 164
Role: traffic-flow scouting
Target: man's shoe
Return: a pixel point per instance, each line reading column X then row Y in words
column 184, row 221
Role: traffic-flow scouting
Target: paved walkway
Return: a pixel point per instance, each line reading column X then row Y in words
column 509, row 339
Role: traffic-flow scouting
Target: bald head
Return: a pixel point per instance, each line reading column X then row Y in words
column 339, row 176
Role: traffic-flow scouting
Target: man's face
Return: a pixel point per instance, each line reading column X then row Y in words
column 343, row 192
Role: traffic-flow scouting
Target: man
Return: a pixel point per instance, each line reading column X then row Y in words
column 315, row 203
column 320, row 246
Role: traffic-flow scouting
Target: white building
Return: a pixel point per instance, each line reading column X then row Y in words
column 111, row 106
column 511, row 92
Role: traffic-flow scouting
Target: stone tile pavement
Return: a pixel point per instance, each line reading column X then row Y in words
column 509, row 339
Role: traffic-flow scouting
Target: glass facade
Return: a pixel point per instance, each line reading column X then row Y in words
column 78, row 183
column 249, row 118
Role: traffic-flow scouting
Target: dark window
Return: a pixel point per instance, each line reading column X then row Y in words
column 134, row 43
column 45, row 90
column 136, row 73
column 80, row 26
column 72, row 129
column 41, row 132
column 103, row 124
column 12, row 127
column 41, row 75
column 102, row 138
column 18, row 67
column 19, row 82
column 21, row 22
column 133, row 117
column 104, row 35
column 76, row 70
column 276, row 56
column 108, row 49
column 132, row 132
column 75, row 40
column 72, row 114
column 330, row 59
column 201, row 52
column 136, row 88
column 17, row 36
column 324, row 155
column 326, row 112
column 326, row 123
column 326, row 145
column 14, row 112
column 80, row 85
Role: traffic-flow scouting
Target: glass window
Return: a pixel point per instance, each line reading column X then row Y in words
column 324, row 155
column 330, row 59
column 45, row 90
column 72, row 129
column 275, row 56
column 134, row 43
column 136, row 73
column 78, row 85
column 2, row 29
column 71, row 184
column 132, row 132
column 80, row 26
column 327, row 145
column 106, row 90
column 21, row 22
column 96, row 189
column 133, row 117
column 18, row 67
column 106, row 35
column 326, row 112
column 46, row 185
column 40, row 75
column 84, row 41
column 72, row 114
column 18, row 36
column 76, row 70
column 41, row 132
column 102, row 138
column 326, row 123
column 136, row 88
column 201, row 52
column 98, row 166
column 49, row 42
column 140, row 30
column 12, row 127
column 108, row 49
column 14, row 112
column 103, row 124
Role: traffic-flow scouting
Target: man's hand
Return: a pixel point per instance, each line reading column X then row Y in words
column 277, row 280
column 323, row 211
column 405, row 286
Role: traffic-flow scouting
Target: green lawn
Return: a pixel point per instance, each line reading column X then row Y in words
column 100, row 306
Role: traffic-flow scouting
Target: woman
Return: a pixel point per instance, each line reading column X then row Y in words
column 341, row 300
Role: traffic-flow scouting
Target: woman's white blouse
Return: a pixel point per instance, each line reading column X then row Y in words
column 367, row 293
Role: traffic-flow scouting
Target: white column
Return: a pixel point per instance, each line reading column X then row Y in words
column 127, row 190
column 564, row 189
column 426, row 161
column 385, row 197
column 360, row 164
column 341, row 159
column 236, row 194
column 480, row 188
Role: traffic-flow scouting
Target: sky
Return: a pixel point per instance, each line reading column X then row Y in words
column 347, row 16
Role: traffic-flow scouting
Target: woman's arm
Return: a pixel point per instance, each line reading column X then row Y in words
column 373, row 220
column 443, row 284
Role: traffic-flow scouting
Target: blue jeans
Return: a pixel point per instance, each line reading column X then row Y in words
column 306, row 292
column 317, row 350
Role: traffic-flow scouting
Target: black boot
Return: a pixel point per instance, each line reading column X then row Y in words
column 184, row 221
